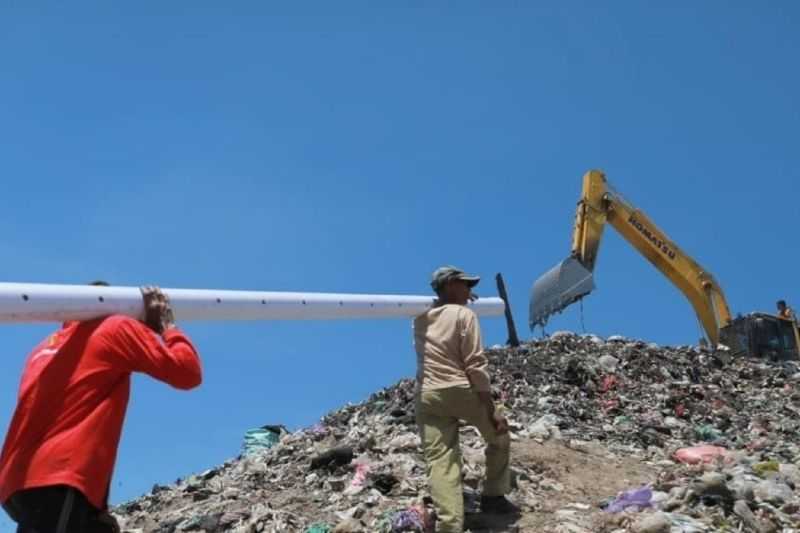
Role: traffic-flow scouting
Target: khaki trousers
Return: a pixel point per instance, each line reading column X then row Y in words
column 438, row 413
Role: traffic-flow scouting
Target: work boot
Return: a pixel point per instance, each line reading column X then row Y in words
column 498, row 505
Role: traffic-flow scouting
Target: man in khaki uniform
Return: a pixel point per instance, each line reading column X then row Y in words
column 453, row 384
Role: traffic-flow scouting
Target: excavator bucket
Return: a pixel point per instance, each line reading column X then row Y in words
column 566, row 283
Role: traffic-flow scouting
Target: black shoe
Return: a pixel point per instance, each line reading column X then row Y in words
column 498, row 505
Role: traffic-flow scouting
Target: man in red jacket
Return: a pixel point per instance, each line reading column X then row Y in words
column 59, row 453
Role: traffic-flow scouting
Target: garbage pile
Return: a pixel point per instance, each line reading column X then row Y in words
column 720, row 436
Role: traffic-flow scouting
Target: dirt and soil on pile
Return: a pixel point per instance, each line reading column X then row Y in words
column 586, row 477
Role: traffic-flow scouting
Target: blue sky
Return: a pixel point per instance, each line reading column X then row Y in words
column 355, row 147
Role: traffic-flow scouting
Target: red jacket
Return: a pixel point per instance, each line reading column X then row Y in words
column 72, row 402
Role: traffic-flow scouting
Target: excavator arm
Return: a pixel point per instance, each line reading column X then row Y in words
column 572, row 279
column 590, row 219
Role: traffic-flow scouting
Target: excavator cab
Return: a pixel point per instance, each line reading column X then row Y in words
column 762, row 335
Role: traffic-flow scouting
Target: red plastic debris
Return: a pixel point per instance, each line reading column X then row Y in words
column 700, row 454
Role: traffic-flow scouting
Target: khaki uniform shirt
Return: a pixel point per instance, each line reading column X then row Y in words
column 450, row 349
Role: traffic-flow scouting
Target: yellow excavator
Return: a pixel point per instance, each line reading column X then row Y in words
column 755, row 334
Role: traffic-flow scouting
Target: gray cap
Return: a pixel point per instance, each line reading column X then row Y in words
column 444, row 274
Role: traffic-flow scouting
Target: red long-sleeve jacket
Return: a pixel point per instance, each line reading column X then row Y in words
column 72, row 402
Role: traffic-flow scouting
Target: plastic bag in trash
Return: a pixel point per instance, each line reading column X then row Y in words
column 700, row 454
column 637, row 499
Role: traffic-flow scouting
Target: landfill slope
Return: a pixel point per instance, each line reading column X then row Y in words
column 602, row 434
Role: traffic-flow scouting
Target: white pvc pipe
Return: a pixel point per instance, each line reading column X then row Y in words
column 32, row 302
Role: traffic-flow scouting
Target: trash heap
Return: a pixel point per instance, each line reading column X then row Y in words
column 719, row 435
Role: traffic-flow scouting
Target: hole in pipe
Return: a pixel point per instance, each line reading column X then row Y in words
column 100, row 298
column 219, row 301
column 25, row 297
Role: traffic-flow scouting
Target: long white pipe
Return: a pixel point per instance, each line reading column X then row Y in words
column 33, row 302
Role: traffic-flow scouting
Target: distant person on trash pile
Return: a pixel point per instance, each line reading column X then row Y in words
column 785, row 311
column 453, row 384
column 59, row 453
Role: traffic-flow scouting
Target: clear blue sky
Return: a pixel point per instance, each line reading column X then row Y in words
column 355, row 148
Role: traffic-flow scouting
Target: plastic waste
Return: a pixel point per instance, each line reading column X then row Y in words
column 637, row 499
column 609, row 383
column 700, row 454
column 773, row 492
column 762, row 469
column 359, row 479
column 545, row 426
column 260, row 439
column 707, row 433
column 413, row 519
column 608, row 362
column 686, row 524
